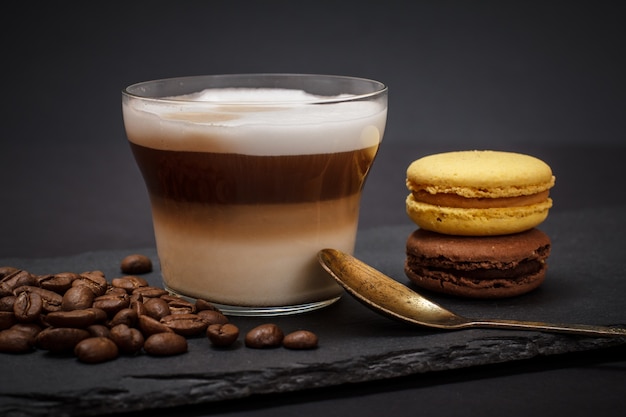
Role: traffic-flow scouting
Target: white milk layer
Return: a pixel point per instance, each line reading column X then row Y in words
column 295, row 123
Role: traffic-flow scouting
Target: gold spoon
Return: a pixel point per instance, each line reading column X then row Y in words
column 387, row 296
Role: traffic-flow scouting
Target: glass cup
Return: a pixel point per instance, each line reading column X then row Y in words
column 249, row 176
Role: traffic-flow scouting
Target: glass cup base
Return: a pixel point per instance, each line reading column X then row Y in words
column 268, row 311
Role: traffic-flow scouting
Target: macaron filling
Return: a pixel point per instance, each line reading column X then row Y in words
column 461, row 285
column 455, row 200
column 479, row 271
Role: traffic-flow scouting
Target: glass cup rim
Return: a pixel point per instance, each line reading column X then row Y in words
column 133, row 91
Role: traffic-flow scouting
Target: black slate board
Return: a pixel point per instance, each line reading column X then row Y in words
column 585, row 284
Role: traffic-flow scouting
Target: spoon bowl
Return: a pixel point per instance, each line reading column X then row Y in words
column 393, row 299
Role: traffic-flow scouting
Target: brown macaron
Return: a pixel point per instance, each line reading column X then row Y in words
column 477, row 267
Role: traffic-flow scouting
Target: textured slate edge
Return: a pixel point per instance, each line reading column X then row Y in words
column 201, row 388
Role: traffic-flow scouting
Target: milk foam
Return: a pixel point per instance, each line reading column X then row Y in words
column 241, row 121
column 257, row 95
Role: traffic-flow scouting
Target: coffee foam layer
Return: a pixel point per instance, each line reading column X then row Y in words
column 295, row 123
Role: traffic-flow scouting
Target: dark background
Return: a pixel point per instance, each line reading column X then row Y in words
column 542, row 77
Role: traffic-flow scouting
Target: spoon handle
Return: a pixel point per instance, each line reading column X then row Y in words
column 577, row 329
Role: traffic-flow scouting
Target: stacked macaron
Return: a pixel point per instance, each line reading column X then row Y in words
column 477, row 213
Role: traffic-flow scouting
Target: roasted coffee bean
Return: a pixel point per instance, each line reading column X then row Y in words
column 128, row 339
column 41, row 279
column 112, row 303
column 157, row 308
column 170, row 297
column 60, row 339
column 212, row 317
column 126, row 316
column 222, row 335
column 264, row 336
column 165, row 344
column 27, row 307
column 7, row 319
column 101, row 315
column 185, row 324
column 150, row 326
column 205, row 305
column 115, row 291
column 15, row 279
column 51, row 301
column 96, row 350
column 149, row 292
column 94, row 280
column 79, row 319
column 98, row 330
column 137, row 305
column 136, row 264
column 300, row 339
column 32, row 329
column 179, row 305
column 129, row 283
column 15, row 341
column 58, row 283
column 6, row 303
column 7, row 270
column 77, row 298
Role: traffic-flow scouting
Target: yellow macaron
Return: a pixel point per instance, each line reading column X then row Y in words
column 478, row 193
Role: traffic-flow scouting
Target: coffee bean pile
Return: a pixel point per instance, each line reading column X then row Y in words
column 99, row 320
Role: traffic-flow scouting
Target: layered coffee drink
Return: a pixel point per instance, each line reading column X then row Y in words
column 244, row 193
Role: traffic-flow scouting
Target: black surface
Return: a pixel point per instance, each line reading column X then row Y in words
column 544, row 78
column 357, row 345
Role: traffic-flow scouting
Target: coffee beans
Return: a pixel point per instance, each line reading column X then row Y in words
column 271, row 336
column 79, row 319
column 300, row 339
column 129, row 283
column 222, row 335
column 77, row 298
column 97, row 320
column 96, row 350
column 51, row 301
column 165, row 344
column 14, row 279
column 7, row 302
column 27, row 306
column 157, row 308
column 7, row 319
column 97, row 330
column 213, row 317
column 185, row 324
column 112, row 303
column 16, row 341
column 136, row 264
column 126, row 316
column 58, row 283
column 128, row 339
column 94, row 280
column 150, row 326
column 264, row 336
column 60, row 339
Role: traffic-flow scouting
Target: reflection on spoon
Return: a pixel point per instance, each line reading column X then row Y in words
column 387, row 296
